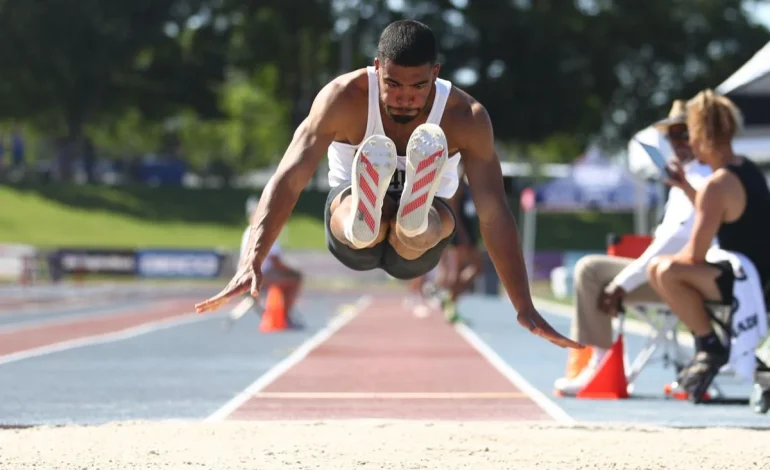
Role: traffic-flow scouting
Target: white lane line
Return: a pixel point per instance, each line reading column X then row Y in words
column 291, row 360
column 64, row 319
column 389, row 395
column 542, row 400
column 111, row 337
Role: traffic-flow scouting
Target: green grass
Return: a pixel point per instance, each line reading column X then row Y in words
column 56, row 215
column 542, row 289
column 71, row 215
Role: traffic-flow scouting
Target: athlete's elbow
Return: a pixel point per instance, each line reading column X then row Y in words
column 294, row 175
column 493, row 214
column 287, row 183
column 284, row 184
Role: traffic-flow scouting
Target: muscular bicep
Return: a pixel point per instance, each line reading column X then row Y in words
column 312, row 137
column 482, row 167
column 709, row 214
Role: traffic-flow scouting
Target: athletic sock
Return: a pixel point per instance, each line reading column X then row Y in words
column 710, row 343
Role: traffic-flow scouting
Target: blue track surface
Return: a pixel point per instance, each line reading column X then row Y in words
column 185, row 372
column 541, row 363
column 191, row 370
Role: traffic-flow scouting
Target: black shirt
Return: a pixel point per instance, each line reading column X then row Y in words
column 750, row 234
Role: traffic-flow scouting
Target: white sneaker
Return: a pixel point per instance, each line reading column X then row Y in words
column 421, row 311
column 373, row 166
column 571, row 387
column 426, row 157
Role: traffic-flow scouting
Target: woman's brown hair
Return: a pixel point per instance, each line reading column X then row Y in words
column 712, row 118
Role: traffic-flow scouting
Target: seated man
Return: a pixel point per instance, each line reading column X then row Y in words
column 733, row 205
column 274, row 273
column 603, row 281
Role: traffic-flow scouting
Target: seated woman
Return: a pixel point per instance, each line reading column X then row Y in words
column 733, row 205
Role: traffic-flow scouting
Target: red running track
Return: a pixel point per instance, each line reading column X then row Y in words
column 63, row 329
column 388, row 364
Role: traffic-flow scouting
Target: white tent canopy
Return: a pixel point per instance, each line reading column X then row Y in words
column 753, row 78
column 749, row 87
column 594, row 182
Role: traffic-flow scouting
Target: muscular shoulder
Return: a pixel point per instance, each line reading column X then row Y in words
column 338, row 99
column 465, row 119
column 723, row 180
column 719, row 187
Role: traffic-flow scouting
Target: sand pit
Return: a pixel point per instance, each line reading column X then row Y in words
column 365, row 445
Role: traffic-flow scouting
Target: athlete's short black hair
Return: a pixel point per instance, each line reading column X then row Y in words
column 407, row 43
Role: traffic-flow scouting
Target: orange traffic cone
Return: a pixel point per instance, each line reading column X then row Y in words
column 274, row 317
column 610, row 381
column 577, row 360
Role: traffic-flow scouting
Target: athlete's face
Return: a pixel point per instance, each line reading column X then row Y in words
column 404, row 91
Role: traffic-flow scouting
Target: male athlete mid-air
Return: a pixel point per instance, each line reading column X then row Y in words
column 394, row 133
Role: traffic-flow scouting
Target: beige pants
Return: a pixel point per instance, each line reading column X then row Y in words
column 591, row 326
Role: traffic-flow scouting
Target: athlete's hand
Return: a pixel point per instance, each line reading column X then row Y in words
column 247, row 278
column 535, row 323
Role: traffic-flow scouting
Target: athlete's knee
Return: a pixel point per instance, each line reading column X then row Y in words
column 338, row 200
column 440, row 227
column 587, row 267
column 446, row 218
column 340, row 212
column 417, row 244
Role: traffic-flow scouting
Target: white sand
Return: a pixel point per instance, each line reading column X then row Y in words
column 364, row 445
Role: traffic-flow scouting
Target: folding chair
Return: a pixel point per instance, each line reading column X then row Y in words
column 662, row 321
column 760, row 394
column 759, row 400
column 656, row 315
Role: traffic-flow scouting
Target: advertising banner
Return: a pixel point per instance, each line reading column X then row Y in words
column 97, row 261
column 179, row 263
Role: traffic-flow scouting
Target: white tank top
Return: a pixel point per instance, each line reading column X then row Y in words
column 341, row 154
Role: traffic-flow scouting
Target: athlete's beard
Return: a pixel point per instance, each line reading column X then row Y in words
column 400, row 118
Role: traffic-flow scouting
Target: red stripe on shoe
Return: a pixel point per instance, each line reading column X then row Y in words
column 428, row 161
column 414, row 205
column 366, row 189
column 370, row 170
column 425, row 180
column 362, row 209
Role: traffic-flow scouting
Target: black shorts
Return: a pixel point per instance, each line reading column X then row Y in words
column 725, row 281
column 382, row 255
column 470, row 229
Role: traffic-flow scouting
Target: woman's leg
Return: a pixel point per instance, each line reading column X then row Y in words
column 685, row 287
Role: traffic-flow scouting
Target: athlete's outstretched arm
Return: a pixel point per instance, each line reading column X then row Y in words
column 299, row 163
column 498, row 228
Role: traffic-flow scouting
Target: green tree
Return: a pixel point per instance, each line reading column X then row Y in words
column 558, row 74
column 253, row 130
column 75, row 62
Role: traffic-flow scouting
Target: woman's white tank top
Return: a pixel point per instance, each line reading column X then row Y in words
column 341, row 154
